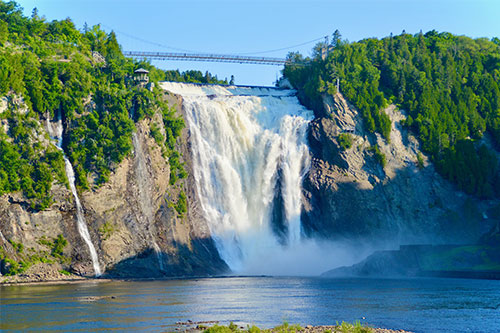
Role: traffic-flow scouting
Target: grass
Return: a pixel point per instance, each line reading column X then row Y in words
column 352, row 328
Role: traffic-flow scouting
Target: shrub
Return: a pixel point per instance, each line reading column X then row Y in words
column 449, row 85
column 181, row 206
column 420, row 160
column 58, row 245
column 345, row 140
column 379, row 156
column 106, row 230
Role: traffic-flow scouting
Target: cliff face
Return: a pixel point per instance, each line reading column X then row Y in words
column 349, row 194
column 132, row 221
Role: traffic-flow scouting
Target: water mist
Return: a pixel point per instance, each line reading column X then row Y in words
column 250, row 155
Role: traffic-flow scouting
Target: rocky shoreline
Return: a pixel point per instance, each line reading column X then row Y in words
column 214, row 327
column 42, row 273
column 334, row 329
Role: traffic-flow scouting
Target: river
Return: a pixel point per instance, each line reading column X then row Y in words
column 419, row 305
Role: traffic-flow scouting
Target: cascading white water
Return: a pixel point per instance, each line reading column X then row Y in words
column 2, row 238
column 56, row 133
column 250, row 154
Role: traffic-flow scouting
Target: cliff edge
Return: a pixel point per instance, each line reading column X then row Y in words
column 383, row 192
column 133, row 220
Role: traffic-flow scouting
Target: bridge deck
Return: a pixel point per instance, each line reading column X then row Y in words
column 207, row 57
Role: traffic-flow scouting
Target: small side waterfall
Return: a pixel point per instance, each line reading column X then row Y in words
column 250, row 154
column 2, row 237
column 56, row 133
column 144, row 184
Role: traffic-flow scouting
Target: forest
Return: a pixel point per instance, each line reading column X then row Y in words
column 447, row 85
column 48, row 68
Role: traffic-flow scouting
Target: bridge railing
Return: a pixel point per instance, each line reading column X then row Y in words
column 207, row 57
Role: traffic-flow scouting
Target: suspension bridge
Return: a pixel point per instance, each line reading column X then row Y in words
column 208, row 57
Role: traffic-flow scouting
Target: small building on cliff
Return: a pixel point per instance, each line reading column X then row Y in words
column 141, row 76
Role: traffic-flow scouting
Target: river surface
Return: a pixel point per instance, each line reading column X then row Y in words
column 419, row 305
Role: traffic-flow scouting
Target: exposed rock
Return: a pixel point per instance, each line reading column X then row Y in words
column 135, row 205
column 348, row 194
column 41, row 272
column 191, row 327
column 131, row 219
column 460, row 261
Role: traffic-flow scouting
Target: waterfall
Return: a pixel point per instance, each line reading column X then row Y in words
column 250, row 154
column 2, row 238
column 56, row 133
column 143, row 184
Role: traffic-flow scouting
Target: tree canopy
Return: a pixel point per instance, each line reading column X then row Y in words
column 49, row 68
column 447, row 84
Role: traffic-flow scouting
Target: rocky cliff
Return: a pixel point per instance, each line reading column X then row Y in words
column 361, row 187
column 132, row 220
column 458, row 261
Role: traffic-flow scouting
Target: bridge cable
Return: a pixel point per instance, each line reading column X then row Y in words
column 149, row 42
column 283, row 48
column 191, row 51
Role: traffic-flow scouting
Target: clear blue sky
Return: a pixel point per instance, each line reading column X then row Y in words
column 251, row 26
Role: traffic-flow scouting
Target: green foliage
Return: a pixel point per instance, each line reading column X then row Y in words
column 470, row 167
column 173, row 128
column 449, row 85
column 19, row 247
column 345, row 140
column 420, row 160
column 106, row 230
column 29, row 257
column 177, row 170
column 192, row 76
column 16, row 267
column 287, row 328
column 352, row 328
column 156, row 134
column 102, row 138
column 219, row 329
column 56, row 245
column 181, row 206
column 4, row 32
column 379, row 156
column 344, row 327
column 26, row 166
column 232, row 328
column 173, row 125
column 359, row 81
column 50, row 65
